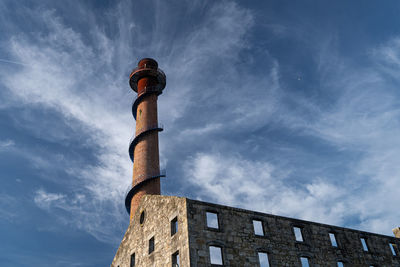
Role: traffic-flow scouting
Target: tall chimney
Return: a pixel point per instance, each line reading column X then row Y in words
column 396, row 232
column 148, row 81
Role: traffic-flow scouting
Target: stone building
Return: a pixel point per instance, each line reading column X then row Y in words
column 176, row 231
column 169, row 230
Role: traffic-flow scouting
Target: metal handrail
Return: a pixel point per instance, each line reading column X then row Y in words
column 162, row 173
column 155, row 126
column 147, row 90
column 133, row 143
column 130, row 192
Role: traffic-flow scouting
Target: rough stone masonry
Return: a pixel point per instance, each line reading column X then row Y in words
column 239, row 243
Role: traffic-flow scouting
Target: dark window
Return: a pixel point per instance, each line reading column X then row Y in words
column 216, row 255
column 304, row 262
column 151, row 245
column 141, row 219
column 175, row 259
column 333, row 239
column 364, row 244
column 258, row 227
column 212, row 220
column 174, row 226
column 297, row 234
column 391, row 245
column 133, row 260
column 340, row 264
column 263, row 259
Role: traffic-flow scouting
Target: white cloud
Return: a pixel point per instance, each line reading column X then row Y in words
column 83, row 212
column 4, row 144
column 361, row 120
column 44, row 200
column 366, row 118
column 84, row 78
column 388, row 57
column 62, row 75
column 209, row 128
column 233, row 180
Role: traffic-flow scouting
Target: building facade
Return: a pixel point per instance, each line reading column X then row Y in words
column 174, row 231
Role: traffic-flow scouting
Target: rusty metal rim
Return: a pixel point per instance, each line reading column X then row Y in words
column 143, row 72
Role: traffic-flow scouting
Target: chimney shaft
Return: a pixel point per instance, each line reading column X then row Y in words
column 148, row 81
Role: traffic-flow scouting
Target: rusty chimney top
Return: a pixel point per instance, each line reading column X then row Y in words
column 149, row 82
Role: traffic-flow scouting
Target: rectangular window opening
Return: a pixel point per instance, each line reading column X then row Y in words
column 175, row 259
column 151, row 245
column 304, row 262
column 212, row 220
column 174, row 226
column 364, row 244
column 132, row 260
column 297, row 234
column 258, row 227
column 263, row 259
column 216, row 255
column 391, row 245
column 333, row 239
column 340, row 264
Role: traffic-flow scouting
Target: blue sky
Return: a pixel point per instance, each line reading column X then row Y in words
column 285, row 107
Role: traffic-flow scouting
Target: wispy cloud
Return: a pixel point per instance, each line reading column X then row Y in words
column 83, row 79
column 62, row 75
column 6, row 143
column 45, row 200
column 259, row 185
column 10, row 61
column 220, row 106
column 360, row 120
column 388, row 57
column 81, row 212
column 363, row 120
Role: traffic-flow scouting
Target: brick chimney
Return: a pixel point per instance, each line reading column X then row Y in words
column 148, row 81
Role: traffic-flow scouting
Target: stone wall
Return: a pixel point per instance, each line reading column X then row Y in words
column 159, row 211
column 240, row 245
